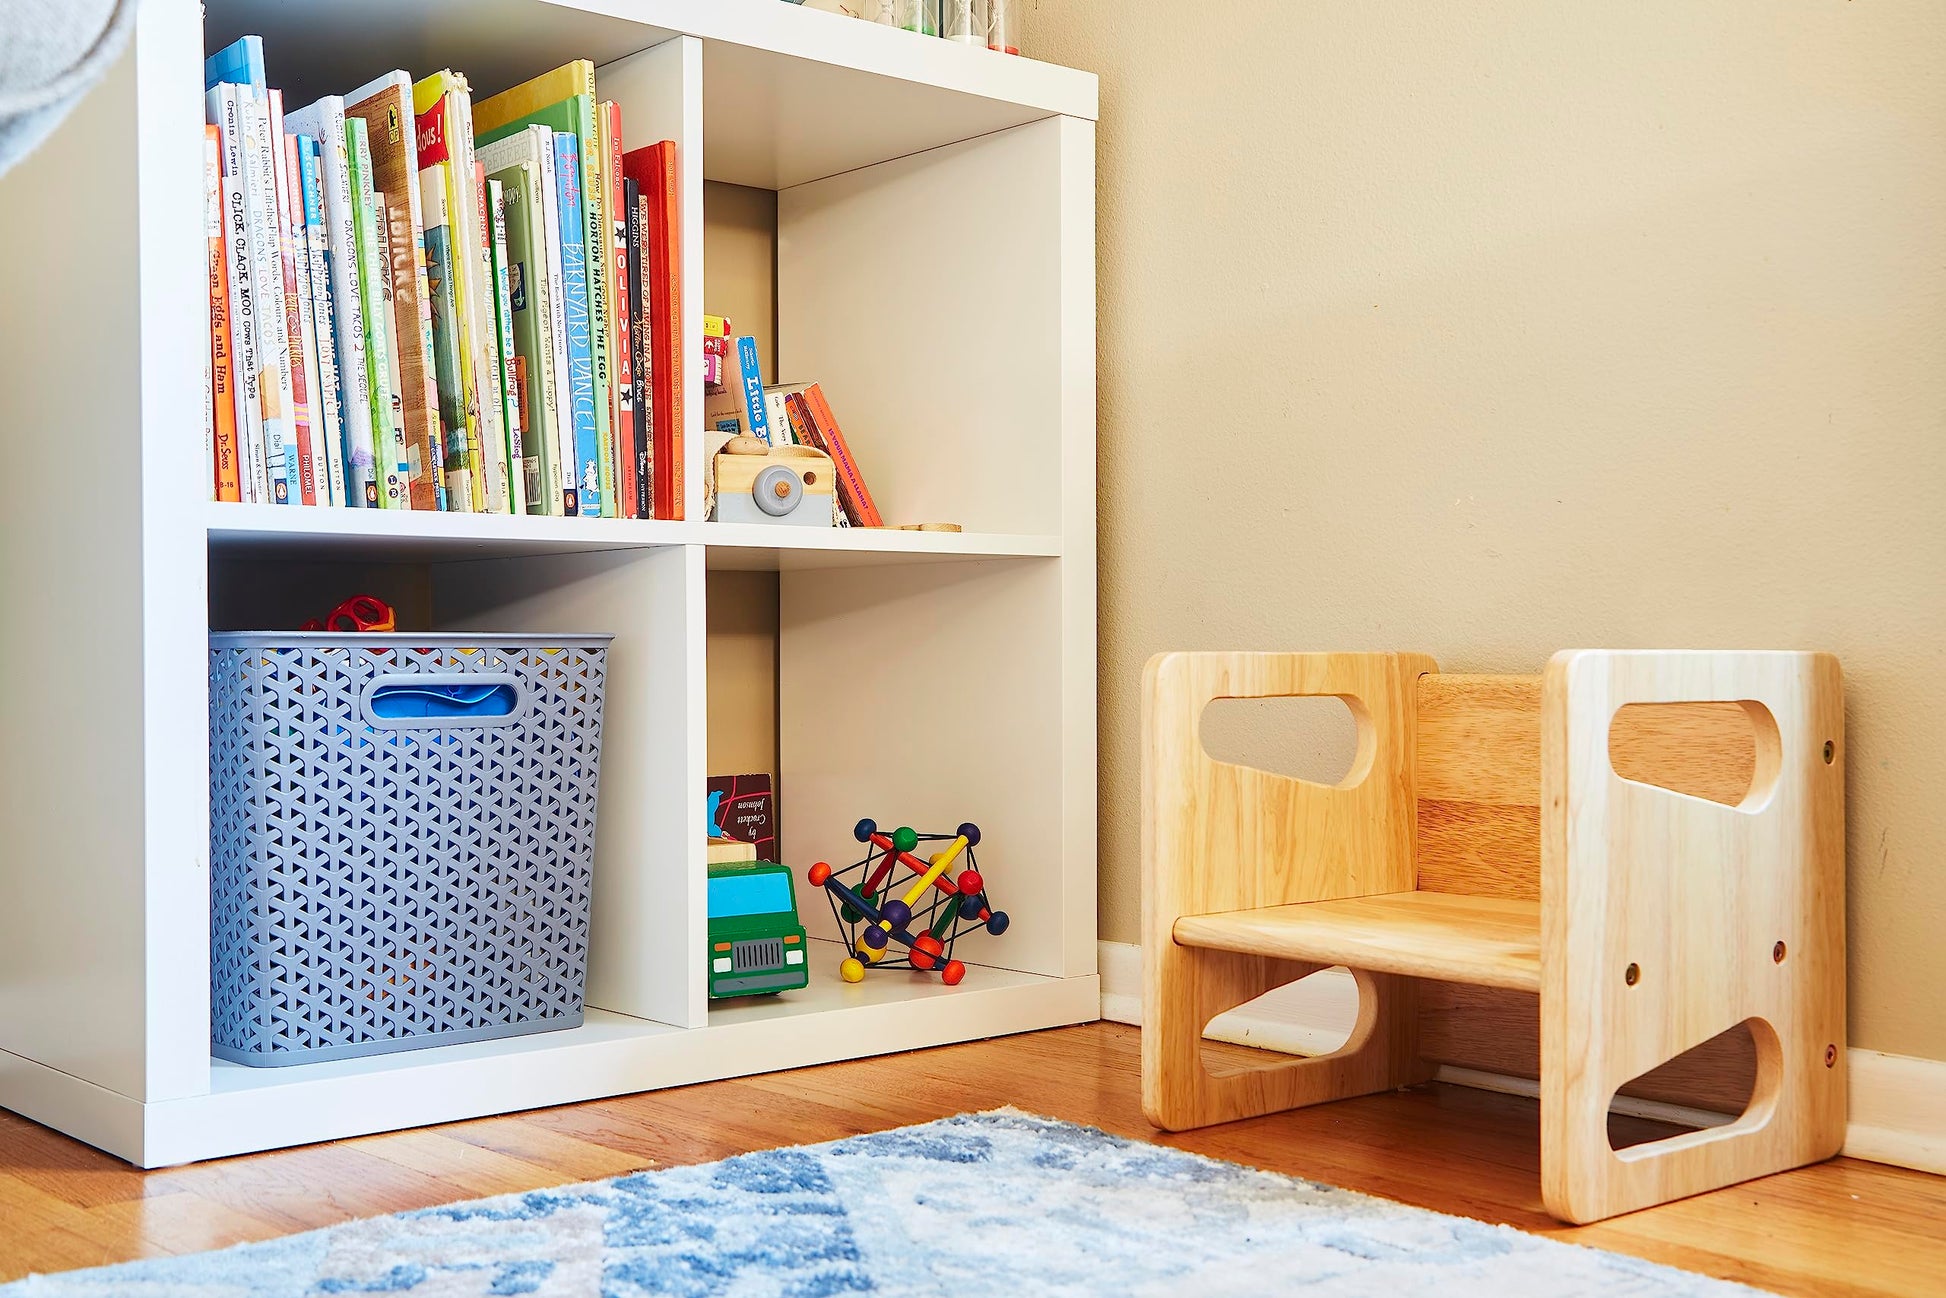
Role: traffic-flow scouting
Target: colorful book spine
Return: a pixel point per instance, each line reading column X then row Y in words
column 779, row 419
column 823, row 427
column 629, row 440
column 297, row 309
column 225, row 105
column 756, row 413
column 267, row 294
column 445, row 337
column 666, row 330
column 563, row 447
column 603, row 189
column 594, row 244
column 241, row 62
column 386, row 105
column 443, row 103
column 399, row 484
column 493, row 379
column 643, row 327
column 581, row 367
column 373, row 462
column 528, row 292
column 503, row 318
column 323, row 325
column 225, row 477
column 326, row 121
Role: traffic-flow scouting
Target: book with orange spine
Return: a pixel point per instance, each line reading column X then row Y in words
column 227, row 482
column 822, row 427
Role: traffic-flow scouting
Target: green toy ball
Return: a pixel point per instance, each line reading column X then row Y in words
column 904, row 839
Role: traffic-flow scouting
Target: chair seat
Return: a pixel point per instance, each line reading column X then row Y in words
column 1486, row 941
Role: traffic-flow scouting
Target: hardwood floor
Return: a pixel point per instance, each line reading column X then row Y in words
column 1842, row 1227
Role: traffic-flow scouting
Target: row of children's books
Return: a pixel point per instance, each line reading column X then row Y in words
column 420, row 302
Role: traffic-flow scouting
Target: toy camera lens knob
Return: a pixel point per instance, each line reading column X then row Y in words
column 905, row 838
column 970, row 883
column 864, row 830
column 998, row 924
column 777, row 491
column 971, row 833
column 818, row 874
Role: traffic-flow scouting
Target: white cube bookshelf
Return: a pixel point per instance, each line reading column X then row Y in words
column 935, row 272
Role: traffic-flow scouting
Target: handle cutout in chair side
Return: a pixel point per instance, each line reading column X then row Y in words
column 1321, row 739
column 1727, row 751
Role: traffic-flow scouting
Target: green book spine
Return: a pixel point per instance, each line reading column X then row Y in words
column 503, row 323
column 528, row 292
column 576, row 114
column 440, row 277
column 388, row 486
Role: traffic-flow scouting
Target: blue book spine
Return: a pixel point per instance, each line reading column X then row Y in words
column 755, row 416
column 581, row 360
column 316, row 253
column 242, row 62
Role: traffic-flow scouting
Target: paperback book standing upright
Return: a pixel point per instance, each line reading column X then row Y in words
column 418, row 302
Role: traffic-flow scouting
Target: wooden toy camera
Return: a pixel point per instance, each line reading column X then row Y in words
column 759, row 483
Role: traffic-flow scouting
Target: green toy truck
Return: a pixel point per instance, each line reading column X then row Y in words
column 756, row 945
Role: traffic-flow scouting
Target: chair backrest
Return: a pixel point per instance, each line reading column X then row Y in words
column 1478, row 774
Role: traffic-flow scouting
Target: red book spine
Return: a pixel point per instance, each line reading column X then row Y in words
column 852, row 493
column 431, row 126
column 666, row 333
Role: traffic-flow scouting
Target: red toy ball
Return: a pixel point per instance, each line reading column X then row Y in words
column 925, row 950
column 818, row 874
column 970, row 883
column 952, row 973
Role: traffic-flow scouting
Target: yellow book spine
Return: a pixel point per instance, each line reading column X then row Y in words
column 564, row 82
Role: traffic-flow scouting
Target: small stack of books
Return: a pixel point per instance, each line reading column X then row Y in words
column 737, row 402
column 419, row 302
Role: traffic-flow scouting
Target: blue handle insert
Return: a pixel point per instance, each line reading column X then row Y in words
column 397, row 702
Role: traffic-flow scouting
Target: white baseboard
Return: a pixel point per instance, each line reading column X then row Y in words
column 1898, row 1103
column 1898, row 1110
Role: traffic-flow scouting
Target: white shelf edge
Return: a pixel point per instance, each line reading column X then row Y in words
column 320, row 529
column 838, row 41
column 254, row 1109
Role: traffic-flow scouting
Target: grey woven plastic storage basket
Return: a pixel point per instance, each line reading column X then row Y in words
column 401, row 837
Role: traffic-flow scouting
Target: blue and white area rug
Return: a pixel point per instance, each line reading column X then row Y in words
column 992, row 1205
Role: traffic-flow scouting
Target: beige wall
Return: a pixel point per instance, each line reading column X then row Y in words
column 1492, row 328
column 740, row 281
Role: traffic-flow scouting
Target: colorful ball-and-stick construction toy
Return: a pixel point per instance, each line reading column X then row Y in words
column 913, row 928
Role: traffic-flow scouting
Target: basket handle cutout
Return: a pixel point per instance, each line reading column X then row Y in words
column 444, row 700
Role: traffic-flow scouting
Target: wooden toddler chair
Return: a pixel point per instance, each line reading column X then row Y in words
column 1486, row 834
